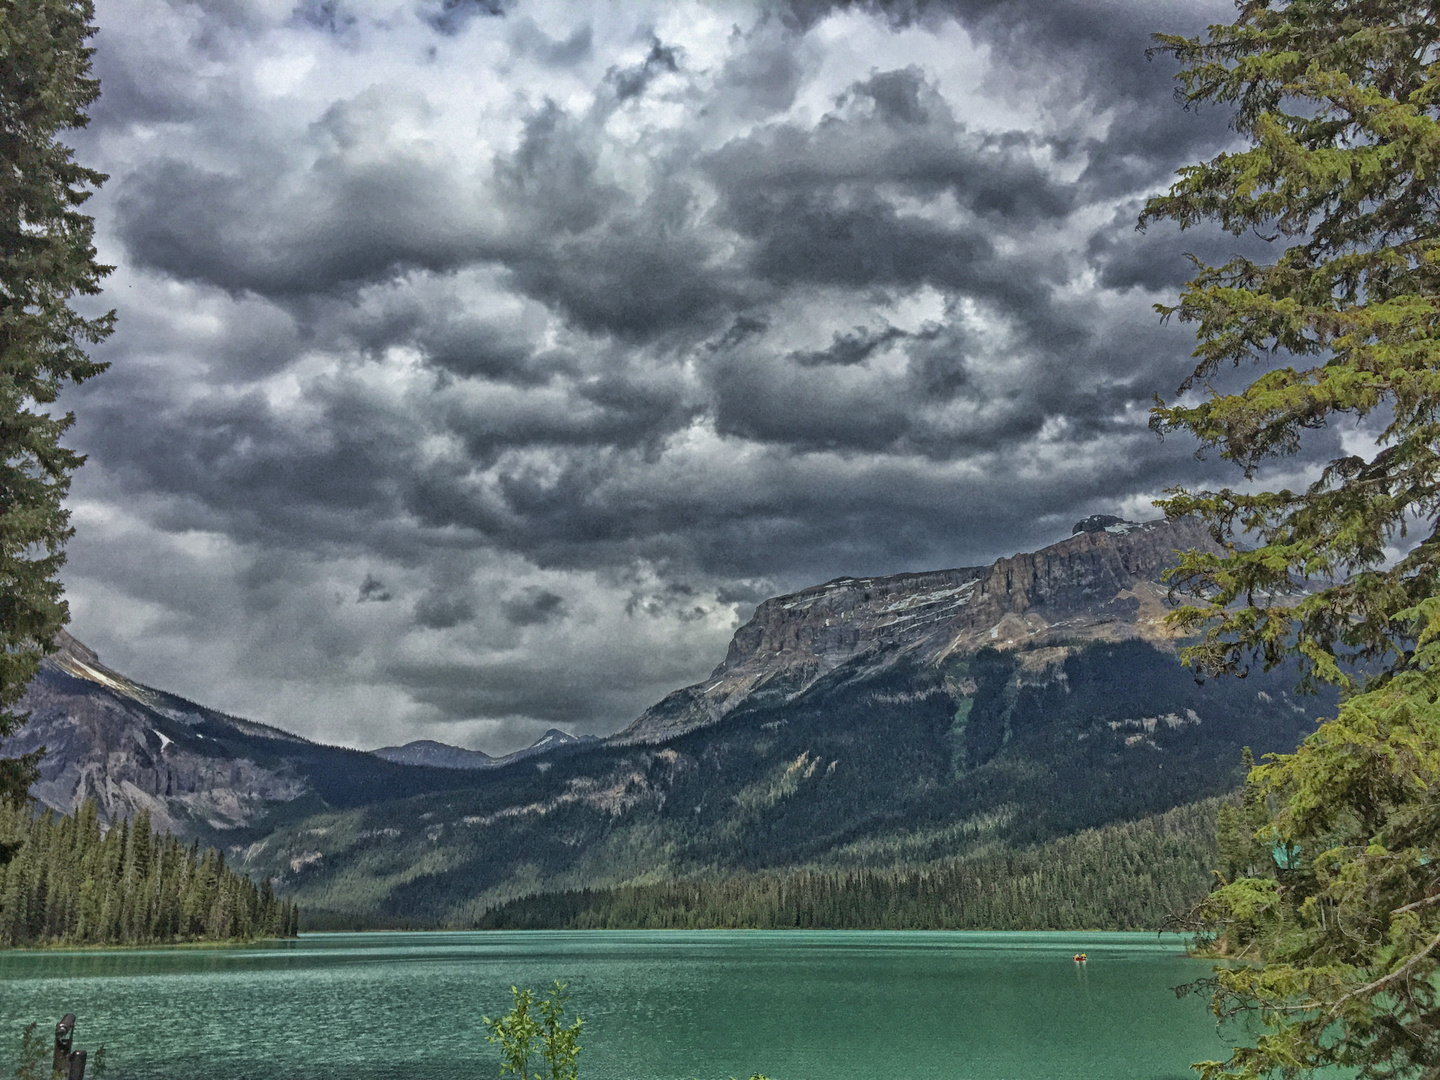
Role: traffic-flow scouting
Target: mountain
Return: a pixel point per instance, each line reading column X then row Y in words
column 437, row 755
column 552, row 740
column 1102, row 584
column 902, row 723
column 440, row 755
column 198, row 771
column 930, row 724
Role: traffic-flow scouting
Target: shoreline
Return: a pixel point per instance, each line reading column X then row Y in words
column 139, row 946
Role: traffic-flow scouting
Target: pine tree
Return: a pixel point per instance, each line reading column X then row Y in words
column 46, row 260
column 1340, row 923
column 72, row 884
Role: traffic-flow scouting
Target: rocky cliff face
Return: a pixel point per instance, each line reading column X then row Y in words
column 1103, row 584
column 128, row 746
column 202, row 772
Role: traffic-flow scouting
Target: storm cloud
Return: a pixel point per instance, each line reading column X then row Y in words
column 482, row 364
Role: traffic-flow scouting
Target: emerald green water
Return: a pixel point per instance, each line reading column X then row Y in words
column 823, row 1005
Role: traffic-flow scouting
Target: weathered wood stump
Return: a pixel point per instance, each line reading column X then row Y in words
column 67, row 1063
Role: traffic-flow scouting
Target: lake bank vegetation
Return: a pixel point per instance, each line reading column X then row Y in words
column 70, row 882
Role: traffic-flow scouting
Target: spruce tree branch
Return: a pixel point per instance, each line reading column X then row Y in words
column 1384, row 980
column 1417, row 904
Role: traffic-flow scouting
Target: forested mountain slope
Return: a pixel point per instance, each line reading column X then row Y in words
column 1133, row 875
column 868, row 723
column 865, row 769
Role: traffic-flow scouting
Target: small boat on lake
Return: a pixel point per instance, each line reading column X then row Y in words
column 1080, row 958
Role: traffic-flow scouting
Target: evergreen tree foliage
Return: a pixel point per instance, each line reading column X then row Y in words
column 1339, row 100
column 46, row 260
column 1333, row 911
column 1330, row 879
column 1132, row 876
column 1241, row 853
column 74, row 883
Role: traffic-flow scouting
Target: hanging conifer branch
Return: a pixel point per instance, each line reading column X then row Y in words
column 1339, row 101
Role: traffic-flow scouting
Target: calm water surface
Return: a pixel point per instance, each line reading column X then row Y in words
column 822, row 1005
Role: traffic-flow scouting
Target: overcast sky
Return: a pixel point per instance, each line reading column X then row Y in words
column 481, row 364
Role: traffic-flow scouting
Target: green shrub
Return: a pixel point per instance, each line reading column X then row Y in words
column 520, row 1034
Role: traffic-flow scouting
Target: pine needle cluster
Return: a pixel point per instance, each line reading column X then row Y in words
column 47, row 262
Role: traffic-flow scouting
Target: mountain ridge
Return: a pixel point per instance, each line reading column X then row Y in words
column 864, row 722
column 438, row 755
column 197, row 770
column 1099, row 583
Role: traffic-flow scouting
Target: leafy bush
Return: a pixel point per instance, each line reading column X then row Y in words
column 519, row 1034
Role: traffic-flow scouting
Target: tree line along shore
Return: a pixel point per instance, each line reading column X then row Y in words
column 71, row 882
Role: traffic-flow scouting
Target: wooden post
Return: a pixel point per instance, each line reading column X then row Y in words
column 64, row 1037
column 67, row 1063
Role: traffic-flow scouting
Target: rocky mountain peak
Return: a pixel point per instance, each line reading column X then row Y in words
column 437, row 755
column 69, row 651
column 1104, row 523
column 1103, row 583
column 440, row 755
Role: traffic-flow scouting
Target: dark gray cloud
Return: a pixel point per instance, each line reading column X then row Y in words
column 851, row 348
column 573, row 334
column 340, row 220
column 442, row 611
column 533, row 607
column 576, row 46
column 451, row 17
column 373, row 591
column 632, row 81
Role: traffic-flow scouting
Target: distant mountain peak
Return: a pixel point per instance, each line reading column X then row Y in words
column 438, row 755
column 77, row 659
column 1105, row 523
column 196, row 770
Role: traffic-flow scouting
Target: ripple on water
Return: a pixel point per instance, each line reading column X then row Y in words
column 801, row 1005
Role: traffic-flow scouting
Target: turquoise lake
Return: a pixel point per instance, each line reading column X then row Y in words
column 795, row 1005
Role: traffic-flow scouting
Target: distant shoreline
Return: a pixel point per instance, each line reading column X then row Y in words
column 139, row 947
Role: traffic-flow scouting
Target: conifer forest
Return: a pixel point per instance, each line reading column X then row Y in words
column 72, row 882
column 1127, row 876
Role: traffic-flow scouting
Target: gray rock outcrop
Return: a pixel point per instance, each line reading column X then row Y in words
column 1102, row 583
